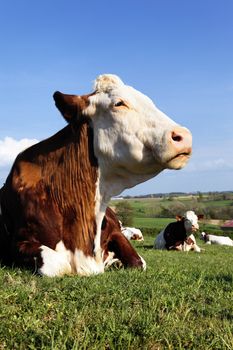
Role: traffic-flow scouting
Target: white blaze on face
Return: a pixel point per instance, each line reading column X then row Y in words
column 133, row 139
column 191, row 221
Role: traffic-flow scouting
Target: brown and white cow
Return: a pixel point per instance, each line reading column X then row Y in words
column 115, row 246
column 54, row 199
column 178, row 235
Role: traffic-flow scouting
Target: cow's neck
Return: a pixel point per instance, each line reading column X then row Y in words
column 106, row 188
column 71, row 173
column 113, row 182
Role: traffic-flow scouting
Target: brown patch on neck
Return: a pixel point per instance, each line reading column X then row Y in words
column 56, row 184
column 71, row 178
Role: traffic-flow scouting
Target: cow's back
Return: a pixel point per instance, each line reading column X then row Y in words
column 160, row 242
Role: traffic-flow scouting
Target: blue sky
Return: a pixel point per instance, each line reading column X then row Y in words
column 178, row 52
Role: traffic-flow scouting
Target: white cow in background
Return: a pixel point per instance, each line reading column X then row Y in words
column 132, row 233
column 220, row 240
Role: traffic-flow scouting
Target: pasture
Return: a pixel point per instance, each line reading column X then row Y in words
column 182, row 301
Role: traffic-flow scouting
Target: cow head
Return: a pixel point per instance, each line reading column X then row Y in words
column 133, row 139
column 191, row 221
column 205, row 237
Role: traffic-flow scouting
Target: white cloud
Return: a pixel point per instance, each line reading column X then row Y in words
column 218, row 164
column 10, row 148
column 212, row 157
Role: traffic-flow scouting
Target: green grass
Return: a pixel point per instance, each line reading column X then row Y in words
column 157, row 223
column 182, row 301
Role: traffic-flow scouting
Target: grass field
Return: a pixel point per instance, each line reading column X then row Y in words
column 140, row 204
column 182, row 301
column 156, row 223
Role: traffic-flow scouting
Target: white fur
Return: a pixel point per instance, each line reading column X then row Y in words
column 100, row 208
column 143, row 263
column 87, row 265
column 62, row 261
column 220, row 240
column 129, row 232
column 55, row 262
column 190, row 221
column 131, row 142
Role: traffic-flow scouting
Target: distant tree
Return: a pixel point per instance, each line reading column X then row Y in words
column 200, row 196
column 124, row 212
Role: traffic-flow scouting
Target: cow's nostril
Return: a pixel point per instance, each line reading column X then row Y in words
column 176, row 137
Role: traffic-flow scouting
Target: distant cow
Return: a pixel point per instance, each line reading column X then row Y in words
column 54, row 199
column 132, row 233
column 220, row 240
column 178, row 235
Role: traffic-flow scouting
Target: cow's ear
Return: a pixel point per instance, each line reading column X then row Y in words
column 70, row 106
column 178, row 217
column 200, row 216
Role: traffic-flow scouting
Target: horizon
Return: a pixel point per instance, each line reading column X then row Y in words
column 154, row 195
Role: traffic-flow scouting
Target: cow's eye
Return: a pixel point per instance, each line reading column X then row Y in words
column 119, row 103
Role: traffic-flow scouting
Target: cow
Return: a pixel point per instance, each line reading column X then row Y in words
column 179, row 235
column 212, row 239
column 115, row 246
column 55, row 197
column 132, row 233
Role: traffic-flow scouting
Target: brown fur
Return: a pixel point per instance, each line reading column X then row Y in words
column 50, row 194
column 113, row 240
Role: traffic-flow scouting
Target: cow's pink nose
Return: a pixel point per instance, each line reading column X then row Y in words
column 181, row 139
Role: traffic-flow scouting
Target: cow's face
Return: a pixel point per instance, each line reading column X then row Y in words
column 204, row 237
column 132, row 137
column 191, row 221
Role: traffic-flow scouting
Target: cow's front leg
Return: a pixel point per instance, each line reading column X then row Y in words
column 124, row 251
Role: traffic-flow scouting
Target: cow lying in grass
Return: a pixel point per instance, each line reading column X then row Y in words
column 54, row 200
column 179, row 235
column 220, row 240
